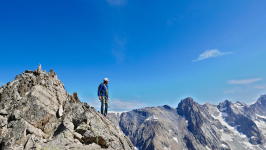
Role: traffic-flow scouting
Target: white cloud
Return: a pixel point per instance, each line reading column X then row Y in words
column 120, row 105
column 116, row 105
column 260, row 87
column 212, row 53
column 119, row 48
column 245, row 93
column 244, row 81
column 117, row 2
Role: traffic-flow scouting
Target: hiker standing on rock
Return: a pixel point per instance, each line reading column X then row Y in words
column 103, row 96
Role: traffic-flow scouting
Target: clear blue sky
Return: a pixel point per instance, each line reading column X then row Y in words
column 154, row 51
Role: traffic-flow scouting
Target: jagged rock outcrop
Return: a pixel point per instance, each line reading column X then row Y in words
column 36, row 112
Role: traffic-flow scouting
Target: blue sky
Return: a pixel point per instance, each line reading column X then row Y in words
column 154, row 52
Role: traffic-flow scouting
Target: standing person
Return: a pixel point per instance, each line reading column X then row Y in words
column 103, row 96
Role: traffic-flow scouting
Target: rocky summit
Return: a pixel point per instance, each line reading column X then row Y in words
column 192, row 126
column 36, row 112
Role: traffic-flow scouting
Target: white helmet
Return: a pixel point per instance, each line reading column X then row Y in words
column 105, row 79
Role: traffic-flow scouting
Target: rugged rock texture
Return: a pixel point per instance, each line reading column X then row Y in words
column 200, row 124
column 259, row 106
column 154, row 128
column 191, row 126
column 235, row 115
column 36, row 112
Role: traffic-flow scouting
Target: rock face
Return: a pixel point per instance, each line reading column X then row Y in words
column 36, row 112
column 259, row 106
column 153, row 128
column 191, row 126
column 235, row 115
column 200, row 125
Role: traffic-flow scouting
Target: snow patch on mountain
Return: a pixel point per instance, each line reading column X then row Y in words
column 153, row 118
column 233, row 134
column 262, row 125
column 259, row 116
column 175, row 139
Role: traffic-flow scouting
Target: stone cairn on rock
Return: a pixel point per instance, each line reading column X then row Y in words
column 36, row 112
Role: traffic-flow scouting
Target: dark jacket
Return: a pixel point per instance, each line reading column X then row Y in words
column 103, row 90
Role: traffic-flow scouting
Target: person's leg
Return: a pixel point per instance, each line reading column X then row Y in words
column 102, row 105
column 106, row 108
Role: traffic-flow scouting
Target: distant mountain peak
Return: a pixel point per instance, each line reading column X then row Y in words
column 259, row 106
column 262, row 99
column 167, row 107
column 187, row 101
column 187, row 106
column 224, row 106
column 227, row 102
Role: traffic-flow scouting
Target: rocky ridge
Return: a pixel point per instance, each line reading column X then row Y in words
column 36, row 112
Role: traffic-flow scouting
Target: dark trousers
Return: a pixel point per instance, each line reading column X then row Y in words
column 104, row 105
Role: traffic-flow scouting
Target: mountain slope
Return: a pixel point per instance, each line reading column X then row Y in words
column 36, row 112
column 191, row 126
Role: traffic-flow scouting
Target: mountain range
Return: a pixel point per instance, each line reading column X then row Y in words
column 36, row 112
column 191, row 126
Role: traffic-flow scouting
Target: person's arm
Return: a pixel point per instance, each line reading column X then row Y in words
column 107, row 91
column 99, row 91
